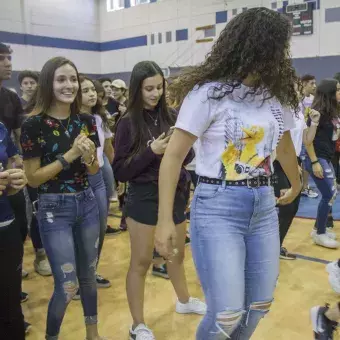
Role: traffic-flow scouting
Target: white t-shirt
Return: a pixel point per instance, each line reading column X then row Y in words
column 102, row 134
column 237, row 138
column 307, row 102
column 297, row 132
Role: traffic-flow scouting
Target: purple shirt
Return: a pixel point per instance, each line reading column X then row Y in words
column 143, row 167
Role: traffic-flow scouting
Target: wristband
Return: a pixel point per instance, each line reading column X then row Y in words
column 315, row 124
column 64, row 163
column 317, row 161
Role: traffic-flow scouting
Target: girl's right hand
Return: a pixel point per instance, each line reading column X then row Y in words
column 158, row 146
column 317, row 170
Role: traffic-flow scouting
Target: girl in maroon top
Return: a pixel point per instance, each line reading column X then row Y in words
column 142, row 136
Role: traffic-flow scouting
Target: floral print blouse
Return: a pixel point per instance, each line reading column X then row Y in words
column 46, row 137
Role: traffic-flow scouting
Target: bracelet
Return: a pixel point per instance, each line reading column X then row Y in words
column 317, row 161
column 315, row 124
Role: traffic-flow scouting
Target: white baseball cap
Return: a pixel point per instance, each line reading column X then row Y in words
column 119, row 84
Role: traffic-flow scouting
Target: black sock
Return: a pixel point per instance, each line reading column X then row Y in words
column 339, row 263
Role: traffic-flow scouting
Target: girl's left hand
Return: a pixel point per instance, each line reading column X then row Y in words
column 287, row 196
column 165, row 240
column 87, row 149
column 17, row 178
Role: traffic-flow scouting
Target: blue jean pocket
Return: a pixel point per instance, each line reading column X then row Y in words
column 204, row 190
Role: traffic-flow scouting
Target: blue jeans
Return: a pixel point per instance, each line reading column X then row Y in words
column 69, row 228
column 236, row 246
column 108, row 178
column 97, row 184
column 328, row 189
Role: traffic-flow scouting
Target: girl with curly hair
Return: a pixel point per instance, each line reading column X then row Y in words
column 234, row 109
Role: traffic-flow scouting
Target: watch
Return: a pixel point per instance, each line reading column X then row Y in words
column 64, row 163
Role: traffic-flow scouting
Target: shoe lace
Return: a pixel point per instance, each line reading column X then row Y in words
column 99, row 277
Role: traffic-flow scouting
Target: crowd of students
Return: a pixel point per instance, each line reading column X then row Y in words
column 248, row 135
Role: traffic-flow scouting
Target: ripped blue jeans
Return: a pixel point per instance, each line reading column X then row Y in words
column 328, row 189
column 69, row 228
column 236, row 246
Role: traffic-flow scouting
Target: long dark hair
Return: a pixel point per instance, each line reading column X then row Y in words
column 44, row 95
column 256, row 43
column 98, row 108
column 135, row 108
column 325, row 99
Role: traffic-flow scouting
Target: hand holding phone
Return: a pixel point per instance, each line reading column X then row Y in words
column 170, row 132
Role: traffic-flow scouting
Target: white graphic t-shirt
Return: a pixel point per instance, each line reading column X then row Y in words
column 237, row 136
column 297, row 132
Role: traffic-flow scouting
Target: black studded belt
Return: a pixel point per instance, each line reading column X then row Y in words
column 250, row 183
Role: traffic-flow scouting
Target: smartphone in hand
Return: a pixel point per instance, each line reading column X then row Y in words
column 170, row 132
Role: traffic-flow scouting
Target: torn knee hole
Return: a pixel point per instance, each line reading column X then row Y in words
column 67, row 268
column 264, row 306
column 227, row 321
column 70, row 289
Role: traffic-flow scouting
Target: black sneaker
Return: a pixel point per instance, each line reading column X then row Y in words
column 102, row 283
column 77, row 296
column 24, row 297
column 123, row 225
column 284, row 255
column 323, row 327
column 28, row 327
column 187, row 240
column 330, row 222
column 161, row 271
column 112, row 231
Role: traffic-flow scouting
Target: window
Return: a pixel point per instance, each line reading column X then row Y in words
column 152, row 39
column 139, row 2
column 168, row 36
column 160, row 38
column 114, row 5
column 210, row 32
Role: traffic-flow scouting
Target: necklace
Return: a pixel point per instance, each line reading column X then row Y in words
column 66, row 128
column 155, row 121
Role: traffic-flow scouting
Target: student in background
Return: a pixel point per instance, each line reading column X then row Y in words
column 11, row 115
column 110, row 104
column 12, row 324
column 109, row 180
column 119, row 91
column 92, row 105
column 320, row 154
column 308, row 92
column 28, row 81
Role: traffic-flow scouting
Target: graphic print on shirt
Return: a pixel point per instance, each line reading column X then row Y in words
column 249, row 147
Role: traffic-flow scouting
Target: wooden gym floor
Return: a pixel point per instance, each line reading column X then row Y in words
column 302, row 284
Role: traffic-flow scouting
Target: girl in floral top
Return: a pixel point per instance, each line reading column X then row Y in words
column 59, row 147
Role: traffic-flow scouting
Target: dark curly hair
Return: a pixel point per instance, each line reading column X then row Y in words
column 325, row 99
column 255, row 43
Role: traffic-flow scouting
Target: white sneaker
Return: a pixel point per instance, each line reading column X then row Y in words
column 329, row 233
column 24, row 274
column 334, row 276
column 42, row 267
column 193, row 306
column 324, row 241
column 141, row 332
